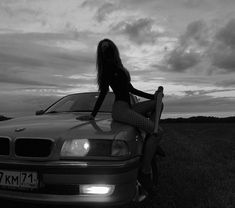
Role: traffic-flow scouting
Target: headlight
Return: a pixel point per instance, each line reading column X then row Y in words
column 94, row 147
column 75, row 147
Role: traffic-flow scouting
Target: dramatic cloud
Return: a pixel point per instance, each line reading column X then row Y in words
column 47, row 49
column 227, row 34
column 190, row 48
column 181, row 60
column 139, row 31
column 196, row 34
column 214, row 48
column 223, row 49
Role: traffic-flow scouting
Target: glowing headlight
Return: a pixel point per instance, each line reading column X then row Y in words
column 75, row 147
column 96, row 189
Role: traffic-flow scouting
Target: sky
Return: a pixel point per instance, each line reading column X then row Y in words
column 48, row 50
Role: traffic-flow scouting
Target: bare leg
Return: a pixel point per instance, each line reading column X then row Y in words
column 151, row 145
column 136, row 117
column 149, row 152
column 158, row 111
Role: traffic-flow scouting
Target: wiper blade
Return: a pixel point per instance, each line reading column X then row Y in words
column 59, row 111
column 53, row 112
column 81, row 111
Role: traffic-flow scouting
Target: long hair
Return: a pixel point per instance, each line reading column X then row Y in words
column 107, row 59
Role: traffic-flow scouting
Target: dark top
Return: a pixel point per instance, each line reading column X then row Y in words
column 118, row 80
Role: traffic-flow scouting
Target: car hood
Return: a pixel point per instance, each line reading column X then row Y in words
column 62, row 125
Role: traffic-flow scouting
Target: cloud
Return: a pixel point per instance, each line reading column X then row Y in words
column 14, row 79
column 21, row 13
column 192, row 4
column 190, row 48
column 226, row 34
column 36, row 50
column 226, row 83
column 223, row 58
column 104, row 10
column 33, row 60
column 197, row 33
column 139, row 31
column 18, row 105
column 213, row 48
column 180, row 60
column 198, row 103
column 222, row 51
column 206, row 92
column 37, row 36
column 14, row 8
column 46, row 47
column 19, row 60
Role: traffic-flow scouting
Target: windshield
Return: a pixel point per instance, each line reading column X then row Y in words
column 81, row 103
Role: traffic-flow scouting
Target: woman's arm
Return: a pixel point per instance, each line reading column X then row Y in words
column 140, row 93
column 99, row 101
column 96, row 108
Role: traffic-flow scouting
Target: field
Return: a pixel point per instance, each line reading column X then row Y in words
column 199, row 169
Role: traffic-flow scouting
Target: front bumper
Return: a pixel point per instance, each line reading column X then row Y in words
column 59, row 181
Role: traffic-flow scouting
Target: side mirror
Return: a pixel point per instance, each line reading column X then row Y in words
column 39, row 112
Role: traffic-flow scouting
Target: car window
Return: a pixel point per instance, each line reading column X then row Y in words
column 67, row 105
column 82, row 102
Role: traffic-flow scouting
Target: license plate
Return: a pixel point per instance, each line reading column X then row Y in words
column 18, row 179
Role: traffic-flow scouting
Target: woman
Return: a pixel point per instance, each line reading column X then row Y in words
column 111, row 72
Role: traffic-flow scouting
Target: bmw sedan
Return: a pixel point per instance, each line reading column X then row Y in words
column 53, row 157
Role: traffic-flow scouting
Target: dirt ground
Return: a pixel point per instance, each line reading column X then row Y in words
column 198, row 171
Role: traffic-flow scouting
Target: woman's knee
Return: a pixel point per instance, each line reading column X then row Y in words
column 145, row 107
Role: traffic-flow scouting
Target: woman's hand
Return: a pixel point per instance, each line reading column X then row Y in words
column 85, row 118
column 156, row 94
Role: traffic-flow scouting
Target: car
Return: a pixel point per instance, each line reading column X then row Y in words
column 53, row 157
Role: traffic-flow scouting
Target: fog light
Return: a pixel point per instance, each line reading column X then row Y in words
column 102, row 189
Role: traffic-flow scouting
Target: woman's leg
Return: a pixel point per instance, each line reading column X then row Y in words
column 135, row 117
column 151, row 145
column 145, row 107
column 152, row 142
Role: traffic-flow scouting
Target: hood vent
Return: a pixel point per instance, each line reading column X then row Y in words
column 4, row 146
column 33, row 147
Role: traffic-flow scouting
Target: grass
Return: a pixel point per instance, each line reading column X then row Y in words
column 199, row 170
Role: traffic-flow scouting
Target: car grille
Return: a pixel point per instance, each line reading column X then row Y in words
column 33, row 147
column 4, row 146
